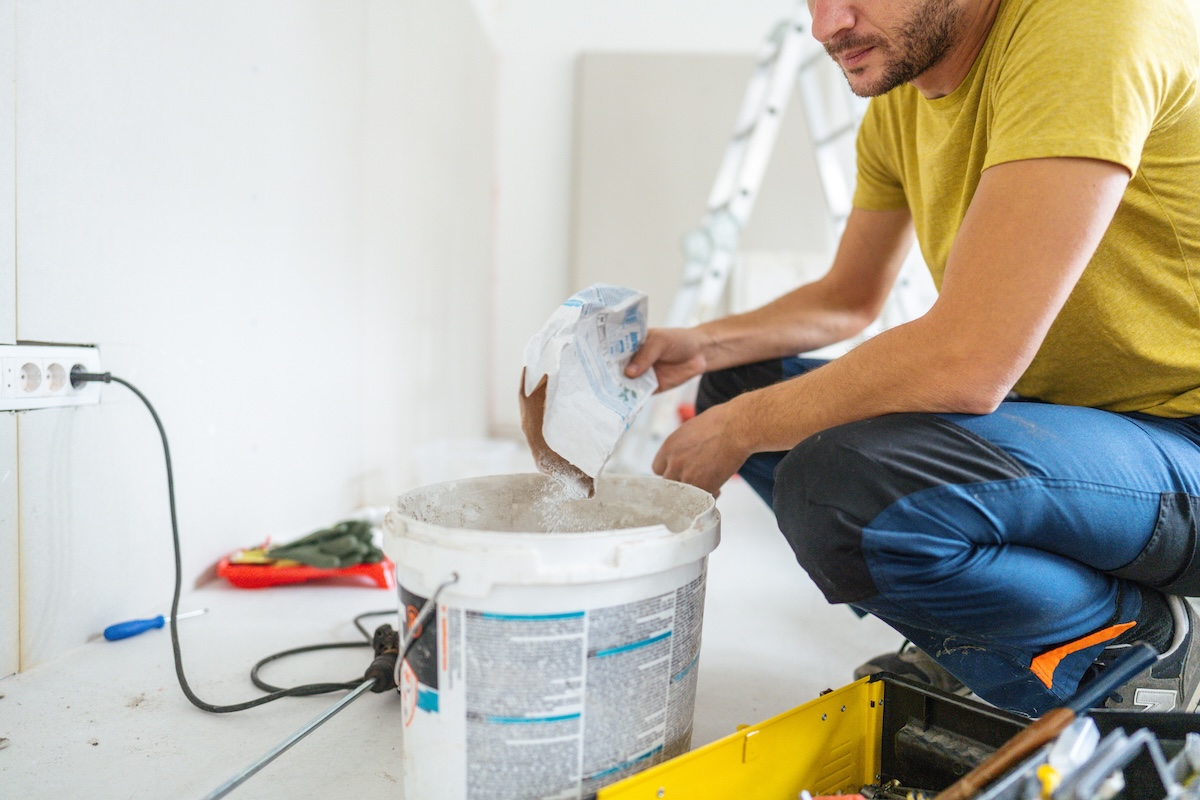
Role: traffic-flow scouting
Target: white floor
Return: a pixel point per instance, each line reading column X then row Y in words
column 109, row 720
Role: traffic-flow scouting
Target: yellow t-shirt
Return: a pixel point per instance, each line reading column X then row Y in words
column 1106, row 79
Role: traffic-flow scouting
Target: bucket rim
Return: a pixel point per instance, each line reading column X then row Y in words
column 699, row 516
column 655, row 531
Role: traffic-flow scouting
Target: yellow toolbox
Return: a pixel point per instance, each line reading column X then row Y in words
column 874, row 731
column 830, row 744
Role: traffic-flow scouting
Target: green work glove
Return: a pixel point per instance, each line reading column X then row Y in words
column 343, row 545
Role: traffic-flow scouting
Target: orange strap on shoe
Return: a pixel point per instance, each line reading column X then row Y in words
column 1044, row 665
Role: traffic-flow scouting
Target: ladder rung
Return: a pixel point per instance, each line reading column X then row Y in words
column 748, row 131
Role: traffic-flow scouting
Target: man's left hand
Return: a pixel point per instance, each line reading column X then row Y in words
column 705, row 451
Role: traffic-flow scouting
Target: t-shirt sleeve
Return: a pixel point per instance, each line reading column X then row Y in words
column 877, row 185
column 1091, row 80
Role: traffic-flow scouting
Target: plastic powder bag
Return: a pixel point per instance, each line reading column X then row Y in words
column 576, row 401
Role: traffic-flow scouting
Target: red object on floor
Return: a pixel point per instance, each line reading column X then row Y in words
column 259, row 576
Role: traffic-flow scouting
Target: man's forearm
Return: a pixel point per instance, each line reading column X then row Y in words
column 808, row 318
column 900, row 370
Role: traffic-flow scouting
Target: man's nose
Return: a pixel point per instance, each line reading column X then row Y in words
column 831, row 17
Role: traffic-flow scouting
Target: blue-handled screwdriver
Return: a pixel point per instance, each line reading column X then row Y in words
column 123, row 630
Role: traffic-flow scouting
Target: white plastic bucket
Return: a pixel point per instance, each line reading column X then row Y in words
column 564, row 656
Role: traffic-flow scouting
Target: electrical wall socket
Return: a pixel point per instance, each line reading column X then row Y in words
column 39, row 376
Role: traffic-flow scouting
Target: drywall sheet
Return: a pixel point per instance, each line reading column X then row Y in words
column 650, row 133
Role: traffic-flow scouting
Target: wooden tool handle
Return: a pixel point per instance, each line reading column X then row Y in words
column 1133, row 662
column 1044, row 729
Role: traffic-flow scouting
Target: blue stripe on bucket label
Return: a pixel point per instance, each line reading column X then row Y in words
column 531, row 720
column 683, row 673
column 626, row 765
column 612, row 651
column 526, row 617
column 427, row 700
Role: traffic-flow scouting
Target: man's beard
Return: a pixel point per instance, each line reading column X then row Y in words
column 920, row 43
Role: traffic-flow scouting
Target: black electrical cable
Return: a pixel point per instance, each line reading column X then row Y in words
column 266, row 687
column 78, row 377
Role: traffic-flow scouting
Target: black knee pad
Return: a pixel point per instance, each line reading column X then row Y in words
column 725, row 384
column 1170, row 561
column 815, row 505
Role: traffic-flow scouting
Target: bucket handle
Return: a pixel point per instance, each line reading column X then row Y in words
column 407, row 639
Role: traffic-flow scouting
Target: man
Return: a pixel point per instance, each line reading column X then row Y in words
column 1012, row 481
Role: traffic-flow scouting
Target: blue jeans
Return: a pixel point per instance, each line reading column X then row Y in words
column 1011, row 547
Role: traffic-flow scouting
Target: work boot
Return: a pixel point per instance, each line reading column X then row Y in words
column 1173, row 683
column 911, row 662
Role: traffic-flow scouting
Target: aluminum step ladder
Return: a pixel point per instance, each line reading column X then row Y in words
column 788, row 59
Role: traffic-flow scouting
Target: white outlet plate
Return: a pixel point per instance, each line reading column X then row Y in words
column 39, row 376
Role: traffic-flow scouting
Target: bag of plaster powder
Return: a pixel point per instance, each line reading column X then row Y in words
column 576, row 401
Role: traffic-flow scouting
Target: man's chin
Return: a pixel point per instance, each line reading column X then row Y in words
column 864, row 84
column 860, row 84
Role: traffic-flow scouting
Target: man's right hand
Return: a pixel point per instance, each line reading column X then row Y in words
column 677, row 355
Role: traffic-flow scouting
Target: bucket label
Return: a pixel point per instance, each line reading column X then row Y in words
column 685, row 655
column 524, row 681
column 558, row 705
column 419, row 672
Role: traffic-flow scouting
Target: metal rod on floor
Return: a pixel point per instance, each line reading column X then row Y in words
column 406, row 642
column 245, row 775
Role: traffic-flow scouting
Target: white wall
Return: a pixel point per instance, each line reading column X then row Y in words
column 430, row 139
column 10, row 586
column 8, row 167
column 651, row 130
column 247, row 206
column 537, row 42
